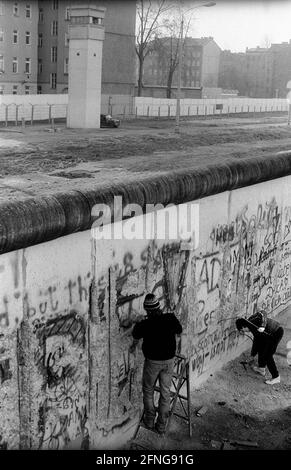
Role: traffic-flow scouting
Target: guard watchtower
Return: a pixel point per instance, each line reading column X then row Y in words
column 86, row 36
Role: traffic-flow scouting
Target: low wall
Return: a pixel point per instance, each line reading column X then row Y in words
column 45, row 107
column 68, row 302
column 14, row 108
column 201, row 107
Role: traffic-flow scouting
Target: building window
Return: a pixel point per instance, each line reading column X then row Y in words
column 27, row 88
column 15, row 65
column 1, row 35
column 39, row 89
column 27, row 38
column 39, row 66
column 40, row 40
column 1, row 89
column 53, row 80
column 54, row 28
column 28, row 11
column 27, row 65
column 67, row 39
column 55, row 4
column 1, row 63
column 15, row 9
column 40, row 15
column 97, row 21
column 54, row 54
column 67, row 13
column 66, row 66
column 14, row 90
column 15, row 36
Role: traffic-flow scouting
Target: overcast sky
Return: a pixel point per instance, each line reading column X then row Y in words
column 238, row 24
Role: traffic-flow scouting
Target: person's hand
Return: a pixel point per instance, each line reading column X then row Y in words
column 261, row 329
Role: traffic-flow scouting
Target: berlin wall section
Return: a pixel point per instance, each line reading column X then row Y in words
column 67, row 307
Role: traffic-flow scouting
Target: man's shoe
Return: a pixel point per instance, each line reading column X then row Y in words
column 259, row 370
column 274, row 381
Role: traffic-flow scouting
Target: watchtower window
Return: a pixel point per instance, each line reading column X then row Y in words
column 86, row 20
column 97, row 21
column 80, row 20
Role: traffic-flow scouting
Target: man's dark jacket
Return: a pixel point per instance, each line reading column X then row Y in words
column 158, row 332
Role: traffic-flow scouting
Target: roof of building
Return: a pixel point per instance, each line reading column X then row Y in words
column 191, row 41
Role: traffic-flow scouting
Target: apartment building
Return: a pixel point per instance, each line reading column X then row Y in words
column 259, row 72
column 200, row 64
column 281, row 54
column 18, row 47
column 118, row 65
column 233, row 71
column 34, row 46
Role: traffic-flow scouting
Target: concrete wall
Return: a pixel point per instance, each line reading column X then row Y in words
column 44, row 106
column 192, row 107
column 125, row 105
column 68, row 302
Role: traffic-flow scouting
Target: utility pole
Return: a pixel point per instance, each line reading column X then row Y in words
column 178, row 104
column 178, row 101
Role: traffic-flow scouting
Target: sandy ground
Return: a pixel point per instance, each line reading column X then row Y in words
column 240, row 407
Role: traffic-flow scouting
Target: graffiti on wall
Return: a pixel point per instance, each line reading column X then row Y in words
column 241, row 265
column 60, row 359
column 39, row 304
column 247, row 266
column 159, row 269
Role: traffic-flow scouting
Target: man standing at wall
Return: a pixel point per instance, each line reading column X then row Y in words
column 267, row 335
column 159, row 332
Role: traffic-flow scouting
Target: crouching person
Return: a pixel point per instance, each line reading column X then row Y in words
column 267, row 335
column 158, row 331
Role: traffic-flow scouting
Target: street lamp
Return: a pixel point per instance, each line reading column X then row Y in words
column 178, row 104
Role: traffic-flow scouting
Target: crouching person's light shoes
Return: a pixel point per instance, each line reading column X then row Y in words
column 259, row 370
column 277, row 380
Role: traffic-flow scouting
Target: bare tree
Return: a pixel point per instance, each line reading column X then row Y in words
column 167, row 48
column 149, row 13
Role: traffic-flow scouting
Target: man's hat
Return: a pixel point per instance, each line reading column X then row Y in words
column 151, row 302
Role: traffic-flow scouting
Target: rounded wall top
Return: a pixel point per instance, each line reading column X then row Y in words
column 40, row 219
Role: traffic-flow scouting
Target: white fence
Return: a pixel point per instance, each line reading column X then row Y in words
column 155, row 107
column 33, row 108
column 18, row 108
